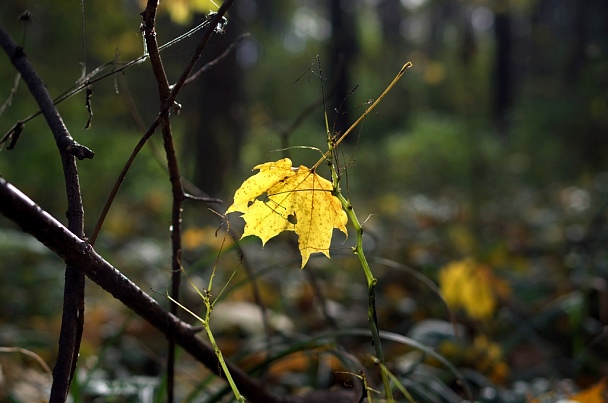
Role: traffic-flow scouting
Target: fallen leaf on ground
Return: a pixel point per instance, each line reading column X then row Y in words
column 597, row 393
column 473, row 287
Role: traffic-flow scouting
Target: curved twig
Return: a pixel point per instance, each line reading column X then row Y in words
column 73, row 296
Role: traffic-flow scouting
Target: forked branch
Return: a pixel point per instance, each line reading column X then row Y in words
column 73, row 296
column 79, row 254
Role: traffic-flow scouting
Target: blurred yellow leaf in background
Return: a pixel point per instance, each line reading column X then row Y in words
column 468, row 285
column 182, row 11
column 196, row 238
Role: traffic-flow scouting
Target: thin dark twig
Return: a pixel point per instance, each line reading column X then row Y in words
column 11, row 95
column 302, row 116
column 130, row 103
column 148, row 29
column 321, row 300
column 203, row 198
column 165, row 111
column 93, row 77
column 218, row 59
column 73, row 297
column 188, row 186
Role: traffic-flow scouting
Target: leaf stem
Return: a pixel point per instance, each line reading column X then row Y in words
column 372, row 317
column 220, row 357
column 371, row 287
column 358, row 248
column 363, row 116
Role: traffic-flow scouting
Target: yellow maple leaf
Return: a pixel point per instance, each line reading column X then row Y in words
column 281, row 198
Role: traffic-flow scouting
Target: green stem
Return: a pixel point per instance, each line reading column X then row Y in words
column 358, row 249
column 372, row 318
column 216, row 349
column 220, row 357
column 371, row 287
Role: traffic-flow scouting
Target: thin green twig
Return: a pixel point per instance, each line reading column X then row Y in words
column 358, row 248
column 205, row 322
column 371, row 284
column 399, row 385
column 206, row 298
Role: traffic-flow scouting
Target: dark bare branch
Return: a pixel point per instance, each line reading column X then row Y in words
column 65, row 142
column 73, row 297
column 79, row 254
column 175, row 90
column 164, row 90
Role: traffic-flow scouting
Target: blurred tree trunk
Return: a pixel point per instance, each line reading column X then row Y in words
column 587, row 37
column 543, row 59
column 578, row 39
column 395, row 51
column 441, row 15
column 391, row 15
column 272, row 16
column 503, row 63
column 342, row 54
column 469, row 44
column 218, row 122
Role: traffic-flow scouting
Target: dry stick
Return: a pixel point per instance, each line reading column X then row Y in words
column 30, row 354
column 73, row 296
column 148, row 28
column 218, row 59
column 186, row 184
column 167, row 98
column 11, row 95
column 79, row 254
column 364, row 115
column 164, row 112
